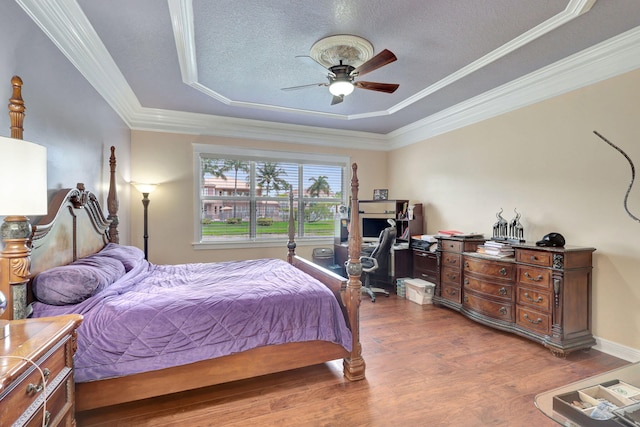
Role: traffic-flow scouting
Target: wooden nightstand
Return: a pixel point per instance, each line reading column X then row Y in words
column 50, row 342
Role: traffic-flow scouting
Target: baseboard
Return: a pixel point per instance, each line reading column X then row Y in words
column 618, row 350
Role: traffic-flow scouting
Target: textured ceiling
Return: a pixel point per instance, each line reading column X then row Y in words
column 230, row 58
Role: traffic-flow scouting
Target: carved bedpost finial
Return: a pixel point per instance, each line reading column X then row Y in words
column 16, row 108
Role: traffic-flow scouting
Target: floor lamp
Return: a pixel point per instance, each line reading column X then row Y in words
column 23, row 170
column 146, row 189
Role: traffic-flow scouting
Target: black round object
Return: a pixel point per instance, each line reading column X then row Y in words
column 552, row 240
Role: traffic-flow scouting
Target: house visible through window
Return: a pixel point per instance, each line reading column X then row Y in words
column 245, row 197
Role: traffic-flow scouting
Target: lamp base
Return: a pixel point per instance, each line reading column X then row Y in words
column 15, row 227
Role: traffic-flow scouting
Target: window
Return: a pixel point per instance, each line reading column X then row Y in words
column 243, row 195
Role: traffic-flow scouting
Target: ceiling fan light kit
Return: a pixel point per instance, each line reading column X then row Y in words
column 341, row 88
column 343, row 58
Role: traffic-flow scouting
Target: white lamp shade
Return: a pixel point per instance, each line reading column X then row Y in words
column 145, row 188
column 23, row 174
column 341, row 87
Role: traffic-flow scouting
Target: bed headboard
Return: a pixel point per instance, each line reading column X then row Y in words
column 75, row 225
column 74, row 228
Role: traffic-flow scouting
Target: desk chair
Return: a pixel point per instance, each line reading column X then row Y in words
column 377, row 263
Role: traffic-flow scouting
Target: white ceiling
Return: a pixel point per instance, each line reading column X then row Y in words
column 217, row 67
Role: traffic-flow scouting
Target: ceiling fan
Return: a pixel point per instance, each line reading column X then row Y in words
column 341, row 77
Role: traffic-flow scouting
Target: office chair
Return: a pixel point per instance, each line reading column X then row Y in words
column 377, row 263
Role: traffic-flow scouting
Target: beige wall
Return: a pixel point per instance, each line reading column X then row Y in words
column 168, row 159
column 545, row 161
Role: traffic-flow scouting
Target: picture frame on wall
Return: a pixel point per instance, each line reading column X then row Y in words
column 380, row 194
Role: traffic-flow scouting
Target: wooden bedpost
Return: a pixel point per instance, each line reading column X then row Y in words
column 112, row 200
column 291, row 245
column 354, row 365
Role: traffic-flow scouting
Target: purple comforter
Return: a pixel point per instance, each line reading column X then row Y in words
column 158, row 316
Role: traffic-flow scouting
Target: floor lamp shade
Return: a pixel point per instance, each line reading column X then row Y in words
column 23, row 172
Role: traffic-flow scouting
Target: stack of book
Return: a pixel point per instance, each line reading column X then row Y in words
column 499, row 249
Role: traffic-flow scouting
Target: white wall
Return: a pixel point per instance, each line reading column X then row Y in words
column 63, row 112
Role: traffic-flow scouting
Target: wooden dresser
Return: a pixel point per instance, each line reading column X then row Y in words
column 449, row 286
column 50, row 343
column 543, row 294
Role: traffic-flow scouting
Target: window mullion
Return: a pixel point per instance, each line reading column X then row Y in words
column 253, row 214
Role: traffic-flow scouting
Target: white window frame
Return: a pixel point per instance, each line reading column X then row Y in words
column 259, row 155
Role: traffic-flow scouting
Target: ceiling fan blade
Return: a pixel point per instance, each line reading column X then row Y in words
column 305, row 86
column 315, row 64
column 379, row 87
column 337, row 99
column 383, row 58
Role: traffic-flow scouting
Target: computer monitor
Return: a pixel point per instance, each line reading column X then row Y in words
column 370, row 228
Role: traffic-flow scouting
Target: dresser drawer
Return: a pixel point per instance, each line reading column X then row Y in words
column 451, row 276
column 451, row 246
column 493, row 269
column 541, row 258
column 535, row 298
column 451, row 260
column 500, row 290
column 452, row 293
column 533, row 320
column 59, row 403
column 532, row 276
column 23, row 393
column 496, row 309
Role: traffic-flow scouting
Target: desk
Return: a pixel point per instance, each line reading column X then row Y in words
column 629, row 374
column 400, row 260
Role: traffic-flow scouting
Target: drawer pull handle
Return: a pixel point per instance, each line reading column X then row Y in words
column 452, row 291
column 533, row 279
column 503, row 271
column 533, row 258
column 421, row 254
column 535, row 322
column 451, row 276
column 35, row 389
column 502, row 291
column 451, row 261
column 466, row 264
column 503, row 310
column 466, row 298
column 466, row 281
column 47, row 418
column 526, row 295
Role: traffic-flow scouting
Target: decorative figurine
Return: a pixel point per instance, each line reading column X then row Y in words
column 500, row 227
column 516, row 230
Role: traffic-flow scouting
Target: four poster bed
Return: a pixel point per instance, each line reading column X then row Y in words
column 150, row 330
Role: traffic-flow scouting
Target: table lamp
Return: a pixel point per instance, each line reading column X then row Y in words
column 23, row 173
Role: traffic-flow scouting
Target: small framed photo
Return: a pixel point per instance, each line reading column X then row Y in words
column 380, row 194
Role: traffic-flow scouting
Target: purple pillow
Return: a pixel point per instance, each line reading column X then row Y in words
column 75, row 282
column 130, row 256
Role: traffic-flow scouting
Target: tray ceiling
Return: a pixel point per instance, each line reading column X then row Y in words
column 199, row 66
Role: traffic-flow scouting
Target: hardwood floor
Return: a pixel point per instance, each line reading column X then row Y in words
column 426, row 366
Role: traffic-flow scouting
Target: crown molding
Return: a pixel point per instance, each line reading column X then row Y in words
column 610, row 58
column 64, row 22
